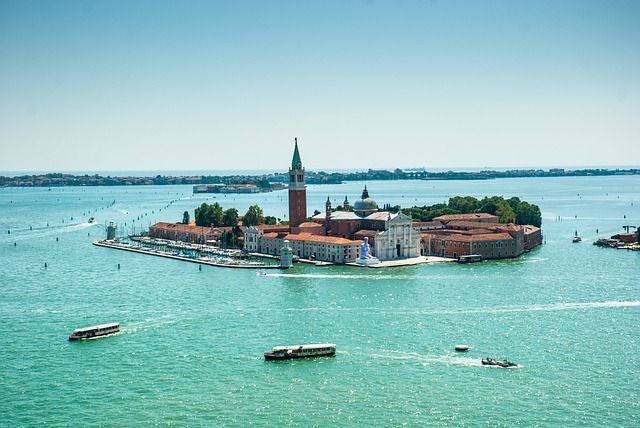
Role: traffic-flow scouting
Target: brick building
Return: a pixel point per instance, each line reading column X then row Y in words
column 186, row 232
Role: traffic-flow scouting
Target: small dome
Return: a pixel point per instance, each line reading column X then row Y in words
column 366, row 205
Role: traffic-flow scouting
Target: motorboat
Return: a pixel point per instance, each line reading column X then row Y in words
column 92, row 220
column 493, row 362
column 462, row 348
column 576, row 239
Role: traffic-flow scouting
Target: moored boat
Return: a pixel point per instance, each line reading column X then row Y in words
column 95, row 331
column 300, row 351
column 494, row 362
column 462, row 348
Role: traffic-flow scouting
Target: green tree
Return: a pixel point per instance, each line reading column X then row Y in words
column 209, row 215
column 528, row 214
column 217, row 214
column 270, row 220
column 230, row 217
column 505, row 213
column 488, row 205
column 200, row 215
column 463, row 204
column 185, row 217
column 254, row 216
column 514, row 203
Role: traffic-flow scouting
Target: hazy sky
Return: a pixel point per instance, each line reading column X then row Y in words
column 173, row 85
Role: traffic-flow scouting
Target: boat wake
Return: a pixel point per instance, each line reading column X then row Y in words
column 428, row 359
column 337, row 276
column 44, row 232
column 536, row 260
column 463, row 311
column 148, row 324
column 550, row 307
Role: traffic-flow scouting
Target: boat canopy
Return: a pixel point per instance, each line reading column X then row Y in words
column 309, row 346
column 97, row 327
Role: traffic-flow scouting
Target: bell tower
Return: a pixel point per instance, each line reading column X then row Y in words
column 297, row 191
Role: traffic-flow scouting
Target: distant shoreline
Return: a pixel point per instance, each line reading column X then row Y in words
column 313, row 177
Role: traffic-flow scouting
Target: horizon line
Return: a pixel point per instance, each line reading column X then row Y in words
column 197, row 171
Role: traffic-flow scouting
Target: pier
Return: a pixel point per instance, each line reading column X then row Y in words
column 202, row 260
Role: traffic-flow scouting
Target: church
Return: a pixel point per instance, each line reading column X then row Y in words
column 335, row 236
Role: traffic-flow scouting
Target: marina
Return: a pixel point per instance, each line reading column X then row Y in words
column 188, row 253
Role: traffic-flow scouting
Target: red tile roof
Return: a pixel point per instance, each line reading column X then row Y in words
column 366, row 232
column 310, row 224
column 467, row 237
column 186, row 228
column 319, row 238
column 471, row 216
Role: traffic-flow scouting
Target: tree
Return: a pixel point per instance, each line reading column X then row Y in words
column 209, row 215
column 505, row 213
column 185, row 217
column 528, row 214
column 463, row 204
column 270, row 220
column 230, row 217
column 488, row 205
column 200, row 215
column 254, row 216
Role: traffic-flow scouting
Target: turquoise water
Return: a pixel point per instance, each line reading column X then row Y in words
column 191, row 346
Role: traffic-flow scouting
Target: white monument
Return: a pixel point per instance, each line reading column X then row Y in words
column 366, row 258
column 286, row 256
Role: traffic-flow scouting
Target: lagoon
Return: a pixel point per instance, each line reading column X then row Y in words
column 190, row 351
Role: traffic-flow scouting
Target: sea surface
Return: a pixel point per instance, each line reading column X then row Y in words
column 190, row 351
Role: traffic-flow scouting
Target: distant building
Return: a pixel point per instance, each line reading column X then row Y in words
column 226, row 188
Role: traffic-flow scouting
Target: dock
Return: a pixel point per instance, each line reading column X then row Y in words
column 199, row 260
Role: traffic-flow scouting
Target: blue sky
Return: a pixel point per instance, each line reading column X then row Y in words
column 168, row 85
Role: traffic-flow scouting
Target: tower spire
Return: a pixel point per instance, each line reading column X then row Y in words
column 297, row 191
column 296, row 155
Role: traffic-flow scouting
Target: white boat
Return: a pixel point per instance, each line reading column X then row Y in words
column 95, row 331
column 301, row 351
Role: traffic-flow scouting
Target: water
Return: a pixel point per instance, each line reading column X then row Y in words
column 191, row 343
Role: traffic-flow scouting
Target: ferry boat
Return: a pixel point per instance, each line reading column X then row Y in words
column 95, row 331
column 301, row 351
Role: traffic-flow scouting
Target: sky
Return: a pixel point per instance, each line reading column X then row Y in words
column 223, row 85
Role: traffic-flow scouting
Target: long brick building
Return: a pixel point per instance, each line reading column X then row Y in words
column 466, row 234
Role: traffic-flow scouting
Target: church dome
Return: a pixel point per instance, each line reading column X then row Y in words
column 366, row 205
